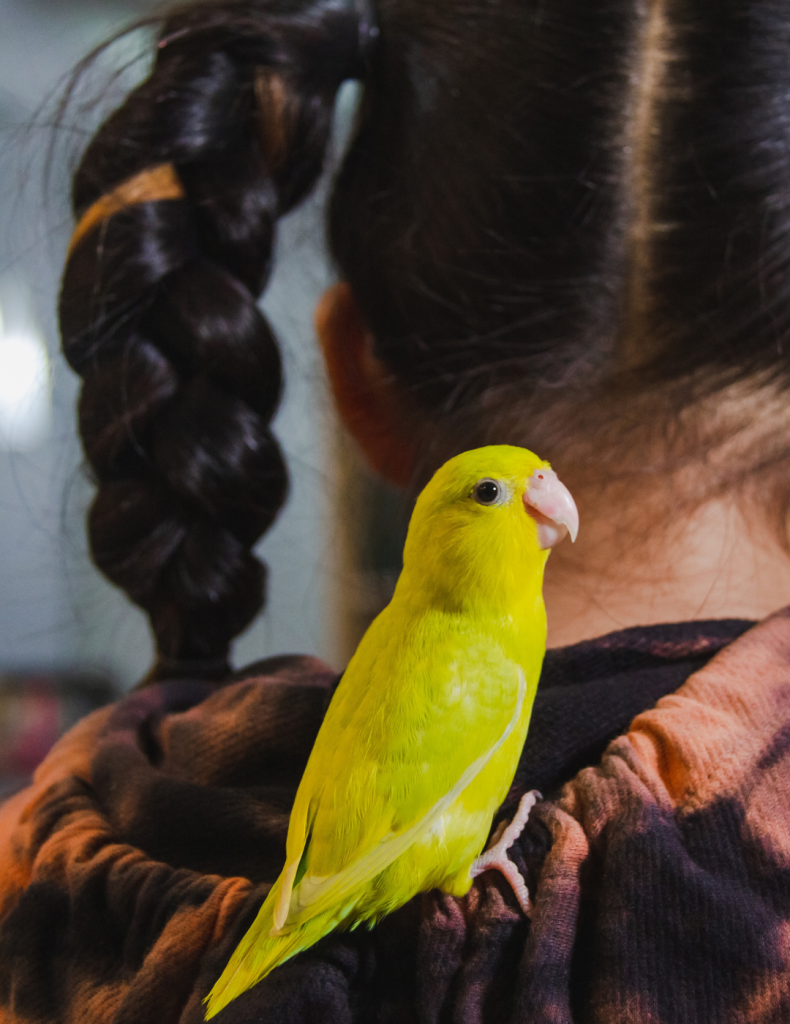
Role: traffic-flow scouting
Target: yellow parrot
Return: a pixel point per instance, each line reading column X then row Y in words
column 423, row 735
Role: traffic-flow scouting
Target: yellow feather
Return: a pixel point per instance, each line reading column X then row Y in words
column 423, row 736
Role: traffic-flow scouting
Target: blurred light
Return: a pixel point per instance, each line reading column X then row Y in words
column 25, row 398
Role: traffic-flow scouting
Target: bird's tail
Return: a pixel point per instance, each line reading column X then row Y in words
column 260, row 952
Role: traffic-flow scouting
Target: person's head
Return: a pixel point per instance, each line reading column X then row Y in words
column 560, row 225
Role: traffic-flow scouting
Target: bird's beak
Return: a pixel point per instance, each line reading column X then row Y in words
column 550, row 504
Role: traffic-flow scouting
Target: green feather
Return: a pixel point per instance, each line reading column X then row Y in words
column 422, row 738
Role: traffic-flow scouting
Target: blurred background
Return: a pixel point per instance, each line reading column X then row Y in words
column 68, row 640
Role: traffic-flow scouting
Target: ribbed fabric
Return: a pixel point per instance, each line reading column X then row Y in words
column 659, row 862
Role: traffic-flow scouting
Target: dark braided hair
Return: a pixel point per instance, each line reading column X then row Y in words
column 565, row 204
column 181, row 373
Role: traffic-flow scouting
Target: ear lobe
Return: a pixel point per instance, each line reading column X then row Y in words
column 366, row 395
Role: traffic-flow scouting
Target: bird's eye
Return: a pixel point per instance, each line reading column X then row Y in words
column 487, row 492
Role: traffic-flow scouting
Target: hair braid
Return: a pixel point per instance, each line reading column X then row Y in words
column 181, row 372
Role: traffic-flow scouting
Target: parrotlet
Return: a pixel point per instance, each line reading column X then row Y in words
column 422, row 737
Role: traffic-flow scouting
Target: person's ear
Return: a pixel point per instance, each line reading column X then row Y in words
column 366, row 394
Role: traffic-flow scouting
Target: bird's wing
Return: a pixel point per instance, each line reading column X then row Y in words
column 391, row 758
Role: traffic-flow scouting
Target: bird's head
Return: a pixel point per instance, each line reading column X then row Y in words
column 483, row 527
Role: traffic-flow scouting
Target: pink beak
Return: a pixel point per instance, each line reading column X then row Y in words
column 550, row 504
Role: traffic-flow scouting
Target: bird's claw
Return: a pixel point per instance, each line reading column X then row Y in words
column 501, row 841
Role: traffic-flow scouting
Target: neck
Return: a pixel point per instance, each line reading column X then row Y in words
column 676, row 488
column 717, row 559
column 513, row 595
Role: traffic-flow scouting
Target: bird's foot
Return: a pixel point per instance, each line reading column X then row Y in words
column 501, row 841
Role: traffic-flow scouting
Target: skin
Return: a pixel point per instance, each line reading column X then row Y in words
column 717, row 562
column 665, row 546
